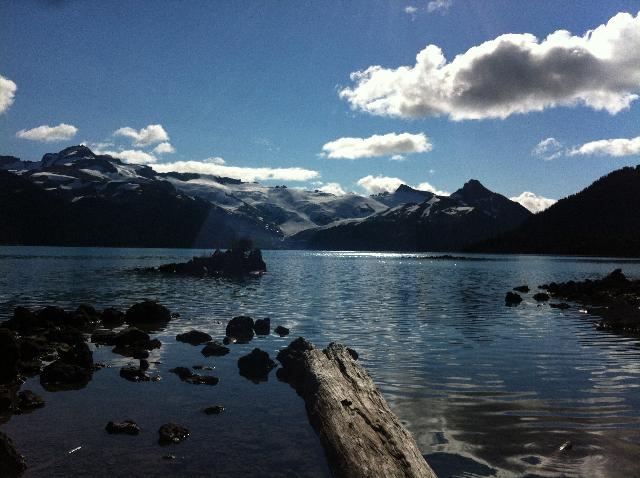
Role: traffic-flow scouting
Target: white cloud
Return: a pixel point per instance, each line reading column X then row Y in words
column 514, row 73
column 333, row 188
column 548, row 149
column 7, row 93
column 243, row 173
column 377, row 145
column 411, row 11
column 379, row 184
column 398, row 157
column 154, row 133
column 533, row 202
column 49, row 134
column 609, row 147
column 215, row 160
column 164, row 148
column 132, row 156
column 439, row 6
column 425, row 186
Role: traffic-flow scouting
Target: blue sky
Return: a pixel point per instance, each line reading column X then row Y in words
column 258, row 84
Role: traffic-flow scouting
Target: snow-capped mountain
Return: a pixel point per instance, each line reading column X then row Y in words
column 438, row 223
column 127, row 204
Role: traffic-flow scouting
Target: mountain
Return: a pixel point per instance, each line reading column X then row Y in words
column 603, row 220
column 438, row 223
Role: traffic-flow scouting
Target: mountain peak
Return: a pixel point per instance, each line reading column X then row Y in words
column 475, row 188
column 67, row 156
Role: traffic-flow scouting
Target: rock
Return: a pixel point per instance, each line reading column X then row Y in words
column 168, row 457
column 240, row 328
column 202, row 367
column 52, row 314
column 126, row 427
column 8, row 397
column 112, row 317
column 194, row 337
column 135, row 338
column 144, row 364
column 62, row 375
column 522, row 288
column 140, row 354
column 11, row 462
column 281, row 331
column 262, row 326
column 214, row 349
column 353, row 353
column 103, row 337
column 29, row 368
column 512, row 298
column 561, row 306
column 291, row 357
column 27, row 400
column 172, row 433
column 541, row 296
column 33, row 347
column 147, row 313
column 566, row 446
column 256, row 366
column 214, row 410
column 78, row 354
column 238, row 261
column 186, row 375
column 23, row 320
column 134, row 374
column 9, row 356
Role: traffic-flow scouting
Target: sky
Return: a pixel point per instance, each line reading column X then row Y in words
column 361, row 96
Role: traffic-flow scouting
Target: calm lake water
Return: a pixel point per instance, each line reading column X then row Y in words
column 487, row 390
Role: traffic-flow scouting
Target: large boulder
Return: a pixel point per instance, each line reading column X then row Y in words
column 62, row 375
column 262, row 326
column 12, row 463
column 147, row 314
column 214, row 349
column 172, row 433
column 9, row 356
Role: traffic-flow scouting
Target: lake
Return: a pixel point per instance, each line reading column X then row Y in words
column 486, row 390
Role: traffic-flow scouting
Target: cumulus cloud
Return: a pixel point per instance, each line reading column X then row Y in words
column 377, row 145
column 164, row 148
column 513, row 73
column 152, row 134
column 425, row 186
column 533, row 202
column 379, row 184
column 439, row 6
column 7, row 93
column 548, row 149
column 333, row 188
column 244, row 173
column 132, row 156
column 609, row 147
column 49, row 134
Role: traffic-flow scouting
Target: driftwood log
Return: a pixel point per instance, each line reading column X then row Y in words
column 360, row 434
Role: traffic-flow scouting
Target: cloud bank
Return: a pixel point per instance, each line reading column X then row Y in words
column 131, row 156
column 49, row 134
column 164, row 148
column 513, row 73
column 7, row 93
column 333, row 188
column 244, row 173
column 425, row 186
column 533, row 202
column 390, row 144
column 152, row 134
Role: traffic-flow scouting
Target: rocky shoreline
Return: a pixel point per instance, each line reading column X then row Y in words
column 54, row 344
column 614, row 298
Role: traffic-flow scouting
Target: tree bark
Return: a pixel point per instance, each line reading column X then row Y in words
column 360, row 434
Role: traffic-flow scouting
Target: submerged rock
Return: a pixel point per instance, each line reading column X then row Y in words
column 12, row 463
column 62, row 375
column 27, row 401
column 135, row 374
column 194, row 337
column 214, row 349
column 512, row 298
column 240, row 328
column 522, row 288
column 262, row 326
column 256, row 366
column 126, row 427
column 172, row 433
column 214, row 410
column 561, row 306
column 186, row 375
column 112, row 317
